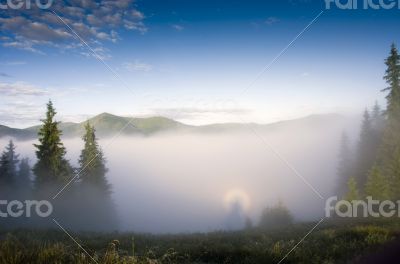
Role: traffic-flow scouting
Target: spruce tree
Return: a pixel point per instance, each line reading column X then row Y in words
column 366, row 152
column 389, row 156
column 8, row 165
column 92, row 163
column 378, row 126
column 275, row 217
column 345, row 165
column 51, row 167
column 392, row 77
column 378, row 119
column 377, row 186
column 352, row 193
column 24, row 175
column 96, row 206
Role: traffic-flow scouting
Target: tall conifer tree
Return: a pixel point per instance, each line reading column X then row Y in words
column 24, row 175
column 366, row 152
column 353, row 192
column 51, row 168
column 377, row 185
column 8, row 165
column 92, row 163
column 378, row 119
column 97, row 207
column 389, row 156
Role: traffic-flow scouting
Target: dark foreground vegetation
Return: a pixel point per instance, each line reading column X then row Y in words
column 329, row 243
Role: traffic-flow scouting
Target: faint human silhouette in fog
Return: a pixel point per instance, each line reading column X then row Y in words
column 235, row 219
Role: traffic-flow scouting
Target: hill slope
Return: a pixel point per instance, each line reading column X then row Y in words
column 108, row 125
column 105, row 124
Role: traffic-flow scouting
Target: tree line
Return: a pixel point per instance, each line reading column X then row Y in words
column 88, row 197
column 373, row 169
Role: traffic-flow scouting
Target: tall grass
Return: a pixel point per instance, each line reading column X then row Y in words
column 330, row 243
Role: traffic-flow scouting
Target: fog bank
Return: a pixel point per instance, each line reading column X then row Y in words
column 187, row 182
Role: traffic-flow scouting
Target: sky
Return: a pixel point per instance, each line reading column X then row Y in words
column 198, row 62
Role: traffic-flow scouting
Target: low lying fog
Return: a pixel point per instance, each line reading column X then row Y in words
column 178, row 182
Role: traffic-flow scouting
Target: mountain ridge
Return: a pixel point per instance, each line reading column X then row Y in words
column 107, row 124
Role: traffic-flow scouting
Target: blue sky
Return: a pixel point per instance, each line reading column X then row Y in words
column 191, row 60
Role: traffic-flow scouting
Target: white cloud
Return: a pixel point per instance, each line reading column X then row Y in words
column 271, row 20
column 132, row 25
column 192, row 110
column 13, row 63
column 178, row 27
column 20, row 112
column 137, row 66
column 21, row 88
column 97, row 53
column 92, row 20
column 23, row 44
column 201, row 115
column 137, row 14
column 305, row 74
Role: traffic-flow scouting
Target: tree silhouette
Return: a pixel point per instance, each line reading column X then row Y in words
column 353, row 192
column 51, row 167
column 92, row 163
column 389, row 155
column 377, row 186
column 8, row 166
column 24, row 175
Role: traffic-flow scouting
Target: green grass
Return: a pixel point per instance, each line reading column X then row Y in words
column 329, row 243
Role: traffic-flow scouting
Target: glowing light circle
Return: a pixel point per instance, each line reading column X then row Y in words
column 239, row 196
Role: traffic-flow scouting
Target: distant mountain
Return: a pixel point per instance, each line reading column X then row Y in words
column 304, row 122
column 105, row 124
column 15, row 132
column 108, row 125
